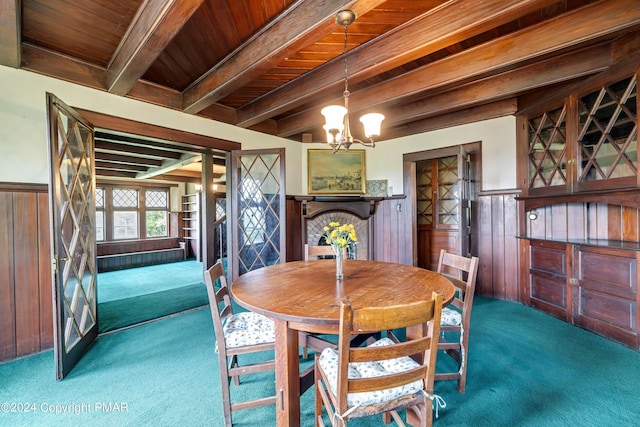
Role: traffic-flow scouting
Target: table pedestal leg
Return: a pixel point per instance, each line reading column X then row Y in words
column 287, row 375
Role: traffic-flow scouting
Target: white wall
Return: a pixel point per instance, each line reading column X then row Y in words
column 23, row 135
column 498, row 138
column 23, row 125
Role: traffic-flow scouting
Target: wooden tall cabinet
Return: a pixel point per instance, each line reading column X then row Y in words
column 443, row 206
column 580, row 208
column 191, row 224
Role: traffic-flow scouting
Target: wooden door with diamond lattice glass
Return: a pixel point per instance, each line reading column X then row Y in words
column 71, row 194
column 258, row 210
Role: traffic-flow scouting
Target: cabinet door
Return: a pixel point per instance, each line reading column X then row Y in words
column 439, row 204
column 607, row 136
column 549, row 269
column 548, row 151
column 605, row 298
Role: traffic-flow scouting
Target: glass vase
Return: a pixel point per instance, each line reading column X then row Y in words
column 339, row 260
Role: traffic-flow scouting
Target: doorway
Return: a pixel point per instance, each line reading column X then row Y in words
column 442, row 190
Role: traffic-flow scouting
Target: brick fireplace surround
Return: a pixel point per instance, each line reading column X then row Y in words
column 317, row 212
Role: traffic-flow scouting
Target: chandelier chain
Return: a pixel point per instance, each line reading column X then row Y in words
column 346, row 65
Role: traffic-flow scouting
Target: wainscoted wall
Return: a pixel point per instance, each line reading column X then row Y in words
column 26, row 316
column 494, row 240
column 26, row 307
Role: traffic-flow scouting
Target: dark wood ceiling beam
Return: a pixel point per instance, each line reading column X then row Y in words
column 437, row 29
column 302, row 24
column 582, row 25
column 10, row 33
column 119, row 158
column 114, row 148
column 115, row 173
column 155, row 25
column 493, row 110
column 53, row 64
column 62, row 67
column 508, row 84
column 118, row 166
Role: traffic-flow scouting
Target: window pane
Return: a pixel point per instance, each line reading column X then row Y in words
column 156, row 223
column 125, row 225
column 99, row 197
column 125, row 198
column 156, row 199
column 99, row 225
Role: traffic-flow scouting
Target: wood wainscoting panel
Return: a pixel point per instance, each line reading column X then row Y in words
column 494, row 231
column 27, row 289
column 7, row 286
column 26, row 318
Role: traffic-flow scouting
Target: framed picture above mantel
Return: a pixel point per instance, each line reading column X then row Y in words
column 342, row 172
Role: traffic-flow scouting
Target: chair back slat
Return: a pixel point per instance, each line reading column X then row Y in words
column 462, row 272
column 425, row 314
column 317, row 251
column 228, row 365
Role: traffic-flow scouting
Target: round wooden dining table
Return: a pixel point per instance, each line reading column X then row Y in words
column 305, row 296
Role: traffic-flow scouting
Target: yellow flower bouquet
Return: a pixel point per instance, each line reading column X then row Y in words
column 340, row 237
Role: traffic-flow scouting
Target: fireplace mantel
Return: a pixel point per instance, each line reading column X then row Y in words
column 362, row 207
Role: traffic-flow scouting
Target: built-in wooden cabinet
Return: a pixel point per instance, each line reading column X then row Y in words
column 442, row 203
column 580, row 207
column 191, row 224
column 594, row 287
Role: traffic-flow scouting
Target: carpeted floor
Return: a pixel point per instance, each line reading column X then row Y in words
column 525, row 369
column 136, row 295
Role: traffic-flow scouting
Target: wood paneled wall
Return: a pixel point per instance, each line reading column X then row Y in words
column 26, row 307
column 26, row 319
column 390, row 231
column 494, row 232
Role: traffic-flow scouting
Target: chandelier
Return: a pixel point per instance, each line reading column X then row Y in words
column 337, row 116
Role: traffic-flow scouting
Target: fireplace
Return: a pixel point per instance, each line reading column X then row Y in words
column 317, row 212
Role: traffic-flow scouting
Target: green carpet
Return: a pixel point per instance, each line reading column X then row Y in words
column 134, row 282
column 136, row 295
column 525, row 369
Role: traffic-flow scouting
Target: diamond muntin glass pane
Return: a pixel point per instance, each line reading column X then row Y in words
column 125, row 198
column 156, row 199
column 547, row 149
column 608, row 132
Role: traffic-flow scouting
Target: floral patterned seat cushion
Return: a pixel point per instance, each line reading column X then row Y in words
column 248, row 328
column 329, row 364
column 451, row 317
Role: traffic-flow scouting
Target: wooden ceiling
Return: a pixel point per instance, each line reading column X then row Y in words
column 271, row 65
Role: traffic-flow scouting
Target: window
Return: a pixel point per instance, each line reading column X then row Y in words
column 99, row 214
column 125, row 213
column 156, row 202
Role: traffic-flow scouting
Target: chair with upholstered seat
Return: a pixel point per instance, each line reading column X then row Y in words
column 456, row 317
column 237, row 334
column 382, row 377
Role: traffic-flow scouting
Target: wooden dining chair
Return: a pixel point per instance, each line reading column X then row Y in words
column 381, row 377
column 456, row 317
column 318, row 251
column 309, row 340
column 237, row 334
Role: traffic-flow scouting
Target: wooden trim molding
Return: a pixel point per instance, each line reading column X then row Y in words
column 21, row 186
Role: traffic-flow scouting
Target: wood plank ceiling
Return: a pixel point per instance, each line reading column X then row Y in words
column 271, row 65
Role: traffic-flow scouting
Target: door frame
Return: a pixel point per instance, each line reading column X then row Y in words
column 409, row 161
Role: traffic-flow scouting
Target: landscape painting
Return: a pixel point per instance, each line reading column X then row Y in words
column 342, row 172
